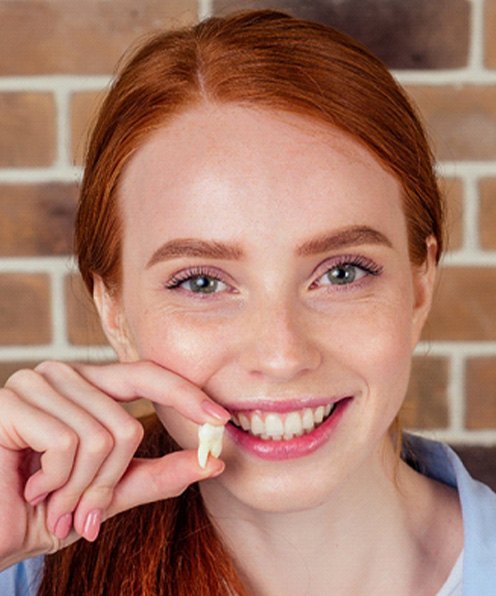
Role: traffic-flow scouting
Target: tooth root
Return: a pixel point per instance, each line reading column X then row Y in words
column 209, row 441
column 203, row 452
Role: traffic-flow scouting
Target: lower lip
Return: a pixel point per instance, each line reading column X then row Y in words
column 292, row 448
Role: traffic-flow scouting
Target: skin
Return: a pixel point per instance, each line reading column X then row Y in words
column 265, row 184
column 348, row 518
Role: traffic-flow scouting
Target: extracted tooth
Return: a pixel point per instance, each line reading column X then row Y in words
column 209, row 441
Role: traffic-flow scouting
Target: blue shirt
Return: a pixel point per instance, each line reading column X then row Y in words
column 436, row 460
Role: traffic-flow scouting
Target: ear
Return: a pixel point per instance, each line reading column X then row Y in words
column 424, row 280
column 113, row 320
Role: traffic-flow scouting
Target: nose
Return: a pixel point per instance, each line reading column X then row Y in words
column 280, row 345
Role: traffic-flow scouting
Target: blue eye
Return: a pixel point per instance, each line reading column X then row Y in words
column 197, row 282
column 341, row 275
column 348, row 271
column 203, row 284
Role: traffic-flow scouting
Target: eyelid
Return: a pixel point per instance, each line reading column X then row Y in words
column 176, row 279
column 365, row 263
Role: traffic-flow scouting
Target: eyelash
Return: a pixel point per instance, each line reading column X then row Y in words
column 179, row 278
column 366, row 265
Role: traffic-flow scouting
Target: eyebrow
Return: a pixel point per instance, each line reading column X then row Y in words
column 351, row 236
column 193, row 247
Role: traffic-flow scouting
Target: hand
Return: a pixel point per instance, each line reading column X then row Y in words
column 67, row 446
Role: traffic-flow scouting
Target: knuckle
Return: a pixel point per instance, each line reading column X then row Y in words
column 99, row 442
column 66, row 440
column 131, row 431
column 23, row 377
column 50, row 368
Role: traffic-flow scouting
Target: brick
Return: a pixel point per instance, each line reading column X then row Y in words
column 480, row 385
column 452, row 189
column 27, row 129
column 405, row 35
column 460, row 119
column 37, row 219
column 489, row 36
column 487, row 213
column 464, row 305
column 83, row 324
column 84, row 108
column 24, row 309
column 426, row 404
column 79, row 36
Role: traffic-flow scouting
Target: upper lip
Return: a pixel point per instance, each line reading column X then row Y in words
column 281, row 406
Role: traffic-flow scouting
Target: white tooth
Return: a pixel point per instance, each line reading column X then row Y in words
column 264, row 436
column 293, row 425
column 327, row 410
column 235, row 419
column 274, row 426
column 244, row 422
column 203, row 452
column 257, row 425
column 209, row 441
column 319, row 414
column 307, row 419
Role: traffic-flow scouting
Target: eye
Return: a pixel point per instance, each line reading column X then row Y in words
column 341, row 275
column 197, row 282
column 347, row 272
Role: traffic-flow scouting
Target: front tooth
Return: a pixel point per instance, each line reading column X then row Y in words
column 257, row 425
column 327, row 410
column 293, row 425
column 274, row 426
column 307, row 419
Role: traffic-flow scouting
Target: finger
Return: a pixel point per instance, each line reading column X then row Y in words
column 149, row 480
column 129, row 381
column 24, row 426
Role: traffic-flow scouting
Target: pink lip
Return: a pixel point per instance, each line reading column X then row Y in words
column 293, row 448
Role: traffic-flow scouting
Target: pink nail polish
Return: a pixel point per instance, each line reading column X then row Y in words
column 216, row 411
column 63, row 526
column 92, row 525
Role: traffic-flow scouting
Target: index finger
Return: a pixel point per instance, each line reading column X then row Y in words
column 129, row 381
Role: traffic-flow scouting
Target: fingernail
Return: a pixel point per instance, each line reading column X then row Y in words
column 216, row 411
column 92, row 525
column 37, row 500
column 63, row 526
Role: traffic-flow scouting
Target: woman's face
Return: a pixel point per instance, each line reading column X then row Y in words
column 265, row 259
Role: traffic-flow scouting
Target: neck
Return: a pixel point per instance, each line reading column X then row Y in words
column 374, row 535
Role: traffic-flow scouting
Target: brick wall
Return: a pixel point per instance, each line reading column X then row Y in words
column 57, row 56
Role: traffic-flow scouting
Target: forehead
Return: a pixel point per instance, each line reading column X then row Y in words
column 252, row 169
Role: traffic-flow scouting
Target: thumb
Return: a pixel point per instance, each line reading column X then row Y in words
column 148, row 480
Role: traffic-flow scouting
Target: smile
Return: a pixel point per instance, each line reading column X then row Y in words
column 287, row 434
column 274, row 426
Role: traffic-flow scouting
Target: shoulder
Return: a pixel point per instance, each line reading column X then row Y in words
column 478, row 504
column 22, row 579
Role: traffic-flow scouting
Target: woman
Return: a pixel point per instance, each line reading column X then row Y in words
column 259, row 227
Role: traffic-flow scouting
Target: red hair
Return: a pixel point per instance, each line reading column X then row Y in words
column 269, row 60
